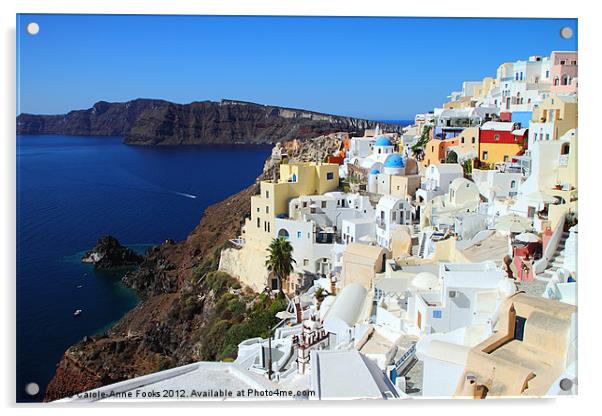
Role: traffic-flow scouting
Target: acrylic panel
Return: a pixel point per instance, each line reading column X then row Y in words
column 298, row 208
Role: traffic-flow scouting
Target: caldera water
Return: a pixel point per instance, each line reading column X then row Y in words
column 70, row 192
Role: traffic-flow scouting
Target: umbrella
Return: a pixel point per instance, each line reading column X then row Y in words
column 511, row 228
column 285, row 315
column 367, row 239
column 540, row 197
column 512, row 223
column 527, row 238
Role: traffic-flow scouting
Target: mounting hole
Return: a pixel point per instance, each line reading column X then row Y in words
column 32, row 389
column 566, row 384
column 33, row 28
column 566, row 32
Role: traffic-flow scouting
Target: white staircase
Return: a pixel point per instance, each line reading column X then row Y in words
column 416, row 235
column 557, row 261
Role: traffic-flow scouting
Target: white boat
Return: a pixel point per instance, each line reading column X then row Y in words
column 77, row 312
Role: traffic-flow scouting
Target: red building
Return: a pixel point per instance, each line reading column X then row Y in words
column 499, row 141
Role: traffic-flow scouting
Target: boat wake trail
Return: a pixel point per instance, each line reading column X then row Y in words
column 184, row 195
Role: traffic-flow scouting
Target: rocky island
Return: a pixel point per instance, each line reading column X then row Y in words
column 160, row 122
column 110, row 254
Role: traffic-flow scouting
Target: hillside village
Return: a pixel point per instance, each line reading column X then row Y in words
column 436, row 262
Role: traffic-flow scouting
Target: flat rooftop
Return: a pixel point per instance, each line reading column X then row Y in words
column 198, row 381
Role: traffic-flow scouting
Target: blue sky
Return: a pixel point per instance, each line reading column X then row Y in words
column 378, row 68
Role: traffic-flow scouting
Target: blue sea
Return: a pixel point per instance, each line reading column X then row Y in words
column 73, row 190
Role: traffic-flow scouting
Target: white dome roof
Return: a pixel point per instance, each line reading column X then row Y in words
column 425, row 281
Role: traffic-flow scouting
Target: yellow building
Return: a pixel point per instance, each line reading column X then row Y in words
column 468, row 143
column 553, row 118
column 487, row 85
column 500, row 141
column 296, row 179
column 527, row 356
column 247, row 263
column 463, row 102
column 566, row 178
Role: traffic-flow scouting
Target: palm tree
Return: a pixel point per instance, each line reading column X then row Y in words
column 280, row 260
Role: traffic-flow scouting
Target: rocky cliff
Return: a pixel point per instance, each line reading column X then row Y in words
column 158, row 122
column 177, row 310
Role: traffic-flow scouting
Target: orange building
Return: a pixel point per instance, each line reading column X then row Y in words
column 435, row 151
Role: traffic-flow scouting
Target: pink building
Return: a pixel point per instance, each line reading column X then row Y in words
column 563, row 72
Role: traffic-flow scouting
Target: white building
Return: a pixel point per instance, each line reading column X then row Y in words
column 349, row 308
column 380, row 151
column 314, row 225
column 462, row 295
column 462, row 197
column 356, row 230
column 389, row 214
column 494, row 184
column 437, row 179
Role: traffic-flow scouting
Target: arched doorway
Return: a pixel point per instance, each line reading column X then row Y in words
column 323, row 266
column 452, row 157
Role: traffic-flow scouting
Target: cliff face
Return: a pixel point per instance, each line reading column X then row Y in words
column 158, row 122
column 168, row 327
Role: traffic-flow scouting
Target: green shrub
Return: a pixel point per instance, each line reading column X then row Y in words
column 219, row 282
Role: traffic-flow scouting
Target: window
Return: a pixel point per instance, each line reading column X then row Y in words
column 562, row 62
column 462, row 140
column 485, row 155
column 305, row 262
column 519, row 327
column 564, row 80
column 432, row 148
column 513, row 184
column 267, row 210
column 323, row 204
column 329, row 176
column 547, row 136
column 474, row 140
column 258, row 222
column 496, row 137
column 506, row 158
column 437, row 313
column 573, row 62
column 304, row 204
column 565, row 149
column 283, row 233
column 548, row 74
column 299, row 234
